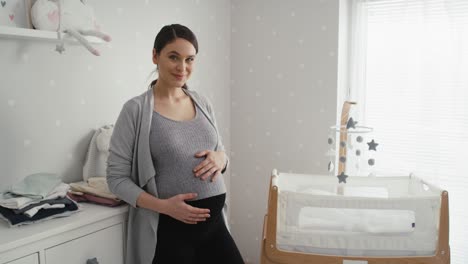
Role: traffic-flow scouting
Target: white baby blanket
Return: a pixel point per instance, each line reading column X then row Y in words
column 357, row 220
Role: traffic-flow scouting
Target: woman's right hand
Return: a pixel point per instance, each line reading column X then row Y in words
column 176, row 208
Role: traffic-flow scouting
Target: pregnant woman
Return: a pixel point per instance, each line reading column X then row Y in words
column 166, row 160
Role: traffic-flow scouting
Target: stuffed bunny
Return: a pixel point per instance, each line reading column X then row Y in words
column 98, row 152
column 70, row 16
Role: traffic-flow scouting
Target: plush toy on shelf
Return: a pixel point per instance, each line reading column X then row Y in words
column 13, row 13
column 74, row 17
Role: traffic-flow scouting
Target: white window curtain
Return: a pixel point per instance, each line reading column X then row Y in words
column 407, row 68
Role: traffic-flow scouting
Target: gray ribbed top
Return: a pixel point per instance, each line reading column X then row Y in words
column 173, row 145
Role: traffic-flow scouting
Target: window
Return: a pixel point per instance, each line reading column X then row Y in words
column 407, row 68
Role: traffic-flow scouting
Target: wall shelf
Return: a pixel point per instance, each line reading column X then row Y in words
column 33, row 34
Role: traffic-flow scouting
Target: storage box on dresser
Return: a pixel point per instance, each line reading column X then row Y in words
column 94, row 232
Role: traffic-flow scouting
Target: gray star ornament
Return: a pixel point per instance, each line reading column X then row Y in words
column 351, row 123
column 372, row 145
column 342, row 177
column 60, row 48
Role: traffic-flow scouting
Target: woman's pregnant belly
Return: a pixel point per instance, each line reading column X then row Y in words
column 172, row 179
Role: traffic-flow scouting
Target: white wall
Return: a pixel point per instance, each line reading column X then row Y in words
column 283, row 89
column 50, row 103
column 270, row 71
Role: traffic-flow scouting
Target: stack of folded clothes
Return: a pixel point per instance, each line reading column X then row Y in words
column 94, row 187
column 36, row 198
column 94, row 190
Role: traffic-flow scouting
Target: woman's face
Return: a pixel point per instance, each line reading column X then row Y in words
column 175, row 62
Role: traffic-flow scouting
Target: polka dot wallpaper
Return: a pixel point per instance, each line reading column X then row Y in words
column 268, row 66
column 50, row 103
column 283, row 99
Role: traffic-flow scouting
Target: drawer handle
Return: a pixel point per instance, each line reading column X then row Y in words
column 92, row 261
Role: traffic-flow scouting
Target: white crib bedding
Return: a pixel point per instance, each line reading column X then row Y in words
column 350, row 221
column 357, row 239
column 390, row 221
column 348, row 237
column 357, row 244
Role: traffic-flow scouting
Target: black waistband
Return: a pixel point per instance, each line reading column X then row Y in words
column 214, row 203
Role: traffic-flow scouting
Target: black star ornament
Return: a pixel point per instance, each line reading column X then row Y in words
column 351, row 123
column 372, row 145
column 342, row 177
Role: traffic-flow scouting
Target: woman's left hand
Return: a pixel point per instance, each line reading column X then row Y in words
column 211, row 166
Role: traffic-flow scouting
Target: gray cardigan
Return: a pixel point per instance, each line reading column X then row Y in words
column 130, row 169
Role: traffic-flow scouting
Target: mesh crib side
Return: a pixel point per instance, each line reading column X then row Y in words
column 421, row 241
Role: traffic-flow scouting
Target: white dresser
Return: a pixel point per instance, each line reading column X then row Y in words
column 94, row 232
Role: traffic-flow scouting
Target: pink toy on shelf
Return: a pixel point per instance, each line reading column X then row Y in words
column 74, row 17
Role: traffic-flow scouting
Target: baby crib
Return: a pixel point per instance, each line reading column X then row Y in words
column 369, row 220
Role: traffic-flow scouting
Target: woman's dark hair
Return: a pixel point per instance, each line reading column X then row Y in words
column 169, row 34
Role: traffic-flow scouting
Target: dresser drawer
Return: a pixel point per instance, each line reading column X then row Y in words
column 105, row 245
column 31, row 259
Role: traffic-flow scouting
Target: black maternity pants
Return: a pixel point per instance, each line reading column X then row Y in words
column 205, row 242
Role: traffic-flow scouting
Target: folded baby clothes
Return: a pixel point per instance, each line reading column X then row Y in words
column 33, row 211
column 99, row 188
column 60, row 191
column 14, row 201
column 21, row 219
column 86, row 197
column 99, row 183
column 58, row 200
column 36, row 186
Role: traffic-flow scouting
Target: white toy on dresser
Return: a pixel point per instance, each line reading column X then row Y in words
column 98, row 151
column 74, row 17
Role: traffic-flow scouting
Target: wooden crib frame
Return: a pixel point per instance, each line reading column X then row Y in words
column 270, row 254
